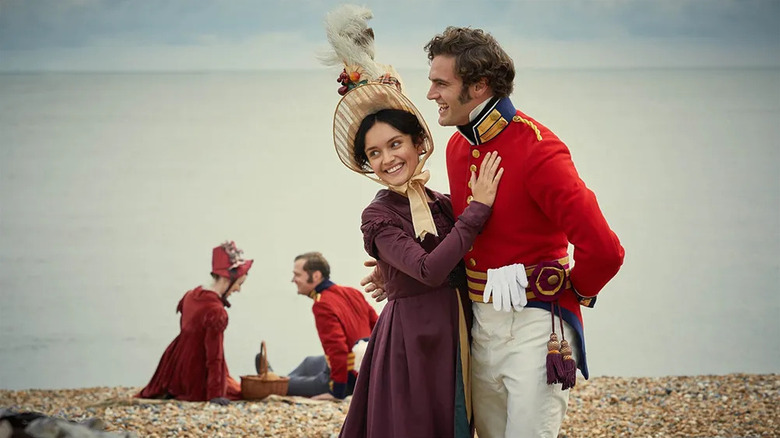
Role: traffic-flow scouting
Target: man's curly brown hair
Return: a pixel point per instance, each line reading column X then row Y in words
column 477, row 55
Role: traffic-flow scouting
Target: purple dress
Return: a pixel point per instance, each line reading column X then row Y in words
column 409, row 383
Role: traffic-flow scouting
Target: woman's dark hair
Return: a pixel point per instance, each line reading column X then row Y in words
column 404, row 121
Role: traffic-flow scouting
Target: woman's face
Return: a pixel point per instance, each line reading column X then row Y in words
column 391, row 154
column 236, row 286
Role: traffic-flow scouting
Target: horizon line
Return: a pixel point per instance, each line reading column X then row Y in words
column 324, row 68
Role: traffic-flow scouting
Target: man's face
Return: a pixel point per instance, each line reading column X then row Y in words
column 303, row 281
column 447, row 91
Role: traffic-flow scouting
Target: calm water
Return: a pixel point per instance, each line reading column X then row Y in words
column 114, row 188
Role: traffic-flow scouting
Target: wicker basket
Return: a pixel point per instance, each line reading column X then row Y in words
column 258, row 387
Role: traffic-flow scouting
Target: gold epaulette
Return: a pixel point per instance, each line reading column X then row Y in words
column 530, row 124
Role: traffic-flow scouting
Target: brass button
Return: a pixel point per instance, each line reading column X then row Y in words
column 472, row 248
column 469, row 184
column 475, row 153
column 469, row 199
column 473, row 168
column 472, row 262
column 553, row 279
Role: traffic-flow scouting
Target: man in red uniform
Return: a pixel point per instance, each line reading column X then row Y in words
column 519, row 261
column 344, row 321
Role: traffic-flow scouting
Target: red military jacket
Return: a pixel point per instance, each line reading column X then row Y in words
column 541, row 206
column 343, row 317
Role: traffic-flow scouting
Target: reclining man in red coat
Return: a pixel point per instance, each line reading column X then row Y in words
column 344, row 321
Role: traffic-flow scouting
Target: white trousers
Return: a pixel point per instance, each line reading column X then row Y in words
column 510, row 394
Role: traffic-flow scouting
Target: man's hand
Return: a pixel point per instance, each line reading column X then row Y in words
column 374, row 282
column 324, row 396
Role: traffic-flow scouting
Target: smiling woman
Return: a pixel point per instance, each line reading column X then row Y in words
column 417, row 357
column 412, row 233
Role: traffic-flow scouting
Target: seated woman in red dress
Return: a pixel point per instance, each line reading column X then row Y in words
column 193, row 366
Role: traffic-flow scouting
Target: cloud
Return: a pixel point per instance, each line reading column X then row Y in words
column 248, row 34
column 266, row 52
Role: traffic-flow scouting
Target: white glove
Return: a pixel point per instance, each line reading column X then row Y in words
column 512, row 293
column 360, row 350
column 493, row 283
column 507, row 286
column 519, row 301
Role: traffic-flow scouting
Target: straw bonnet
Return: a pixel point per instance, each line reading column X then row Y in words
column 363, row 97
column 360, row 102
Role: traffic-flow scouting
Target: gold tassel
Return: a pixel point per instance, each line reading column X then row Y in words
column 554, row 360
column 569, row 366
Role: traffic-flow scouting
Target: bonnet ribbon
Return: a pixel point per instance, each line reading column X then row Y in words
column 414, row 189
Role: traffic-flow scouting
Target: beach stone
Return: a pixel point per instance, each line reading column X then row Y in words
column 6, row 430
column 48, row 427
column 38, row 425
column 731, row 406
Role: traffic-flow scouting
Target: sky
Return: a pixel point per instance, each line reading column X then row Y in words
column 186, row 35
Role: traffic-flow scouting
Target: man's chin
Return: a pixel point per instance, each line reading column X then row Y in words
column 446, row 121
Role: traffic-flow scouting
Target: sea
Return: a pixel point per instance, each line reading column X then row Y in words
column 114, row 187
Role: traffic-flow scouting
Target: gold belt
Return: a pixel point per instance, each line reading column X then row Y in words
column 476, row 281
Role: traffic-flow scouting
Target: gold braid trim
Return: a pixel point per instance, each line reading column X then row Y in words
column 530, row 124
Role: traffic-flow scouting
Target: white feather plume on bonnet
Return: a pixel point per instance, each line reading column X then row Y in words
column 351, row 39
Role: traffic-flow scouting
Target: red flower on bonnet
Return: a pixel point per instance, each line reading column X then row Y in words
column 227, row 261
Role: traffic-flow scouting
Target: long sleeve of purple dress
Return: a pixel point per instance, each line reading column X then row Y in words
column 392, row 239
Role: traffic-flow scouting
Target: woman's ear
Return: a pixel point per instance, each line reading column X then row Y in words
column 420, row 145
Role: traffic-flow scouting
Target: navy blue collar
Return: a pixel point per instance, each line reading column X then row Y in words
column 490, row 122
column 323, row 285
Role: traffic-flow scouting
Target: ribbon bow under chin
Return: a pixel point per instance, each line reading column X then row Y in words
column 414, row 189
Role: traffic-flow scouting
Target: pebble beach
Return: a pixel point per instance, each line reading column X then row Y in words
column 727, row 406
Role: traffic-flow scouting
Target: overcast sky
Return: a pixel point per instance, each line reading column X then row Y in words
column 156, row 35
